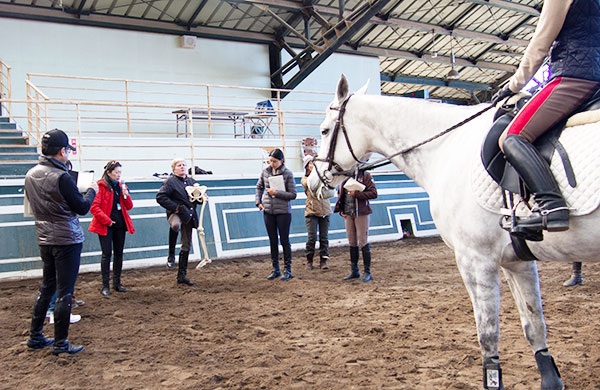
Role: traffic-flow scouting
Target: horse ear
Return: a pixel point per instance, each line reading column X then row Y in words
column 342, row 88
column 363, row 89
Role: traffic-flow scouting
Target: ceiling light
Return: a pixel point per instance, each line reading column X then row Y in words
column 453, row 73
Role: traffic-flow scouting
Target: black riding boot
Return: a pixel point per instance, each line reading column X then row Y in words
column 36, row 337
column 309, row 261
column 576, row 278
column 105, row 271
column 366, row 253
column 287, row 269
column 62, row 315
column 276, row 272
column 182, row 270
column 552, row 213
column 354, row 273
column 117, row 268
column 172, row 244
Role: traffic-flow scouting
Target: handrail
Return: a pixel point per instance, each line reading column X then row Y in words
column 5, row 90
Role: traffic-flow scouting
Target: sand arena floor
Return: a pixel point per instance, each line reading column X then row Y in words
column 411, row 328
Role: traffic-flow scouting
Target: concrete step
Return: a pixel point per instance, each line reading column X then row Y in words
column 8, row 126
column 17, row 149
column 10, row 133
column 16, row 168
column 12, row 156
column 13, row 140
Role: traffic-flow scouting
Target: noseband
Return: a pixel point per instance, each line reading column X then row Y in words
column 327, row 176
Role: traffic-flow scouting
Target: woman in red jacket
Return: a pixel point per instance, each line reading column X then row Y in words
column 111, row 221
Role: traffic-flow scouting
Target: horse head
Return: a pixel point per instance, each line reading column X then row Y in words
column 337, row 156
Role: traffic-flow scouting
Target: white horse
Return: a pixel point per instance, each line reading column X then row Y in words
column 443, row 168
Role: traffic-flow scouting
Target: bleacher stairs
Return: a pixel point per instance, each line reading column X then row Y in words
column 16, row 155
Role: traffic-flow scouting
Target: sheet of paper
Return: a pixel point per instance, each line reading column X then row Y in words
column 84, row 178
column 276, row 182
column 27, row 211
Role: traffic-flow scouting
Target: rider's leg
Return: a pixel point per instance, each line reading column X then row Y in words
column 549, row 106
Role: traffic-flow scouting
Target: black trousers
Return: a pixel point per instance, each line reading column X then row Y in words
column 60, row 269
column 114, row 241
column 279, row 223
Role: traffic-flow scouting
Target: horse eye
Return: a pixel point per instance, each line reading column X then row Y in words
column 324, row 131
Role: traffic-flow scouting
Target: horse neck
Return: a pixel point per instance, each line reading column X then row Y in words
column 399, row 123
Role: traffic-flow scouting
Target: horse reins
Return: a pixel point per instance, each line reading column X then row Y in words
column 376, row 164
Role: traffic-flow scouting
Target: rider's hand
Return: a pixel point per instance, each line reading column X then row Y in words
column 502, row 94
column 272, row 191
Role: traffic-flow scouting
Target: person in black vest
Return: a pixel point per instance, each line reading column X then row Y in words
column 55, row 203
column 570, row 31
column 181, row 213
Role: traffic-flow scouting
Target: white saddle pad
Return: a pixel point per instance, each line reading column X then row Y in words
column 582, row 143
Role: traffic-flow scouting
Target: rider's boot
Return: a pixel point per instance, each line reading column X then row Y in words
column 366, row 253
column 182, row 270
column 354, row 273
column 36, row 337
column 552, row 213
column 576, row 278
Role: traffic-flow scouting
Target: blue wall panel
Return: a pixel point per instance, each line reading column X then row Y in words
column 233, row 226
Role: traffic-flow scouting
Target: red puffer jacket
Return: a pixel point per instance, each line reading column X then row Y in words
column 102, row 207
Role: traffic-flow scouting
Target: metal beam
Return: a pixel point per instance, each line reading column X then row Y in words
column 509, row 5
column 110, row 21
column 353, row 28
column 196, row 13
column 435, row 82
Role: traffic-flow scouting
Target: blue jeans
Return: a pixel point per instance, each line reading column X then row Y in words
column 322, row 223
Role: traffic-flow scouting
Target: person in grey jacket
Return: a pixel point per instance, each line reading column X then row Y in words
column 275, row 190
column 55, row 202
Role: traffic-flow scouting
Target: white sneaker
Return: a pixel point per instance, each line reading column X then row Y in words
column 74, row 318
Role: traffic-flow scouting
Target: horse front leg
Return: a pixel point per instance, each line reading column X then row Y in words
column 522, row 277
column 481, row 278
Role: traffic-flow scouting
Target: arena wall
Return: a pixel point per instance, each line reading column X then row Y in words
column 233, row 225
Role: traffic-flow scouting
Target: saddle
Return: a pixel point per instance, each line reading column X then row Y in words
column 507, row 177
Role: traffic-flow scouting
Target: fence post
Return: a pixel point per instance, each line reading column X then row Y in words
column 79, row 153
column 127, row 107
column 191, row 127
column 208, row 111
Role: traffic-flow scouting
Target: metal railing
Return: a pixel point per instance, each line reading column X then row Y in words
column 103, row 108
column 5, row 91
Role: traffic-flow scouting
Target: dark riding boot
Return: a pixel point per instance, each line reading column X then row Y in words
column 576, row 278
column 287, row 269
column 117, row 268
column 36, row 337
column 354, row 273
column 172, row 244
column 105, row 271
column 309, row 261
column 62, row 316
column 182, row 270
column 276, row 272
column 366, row 253
column 552, row 213
column 323, row 262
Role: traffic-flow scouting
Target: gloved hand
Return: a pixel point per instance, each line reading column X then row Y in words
column 502, row 94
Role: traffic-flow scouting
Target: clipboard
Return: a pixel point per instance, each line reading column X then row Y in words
column 276, row 182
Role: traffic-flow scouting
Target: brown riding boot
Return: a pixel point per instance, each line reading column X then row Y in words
column 309, row 261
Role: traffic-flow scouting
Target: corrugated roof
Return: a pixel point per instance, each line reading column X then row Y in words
column 414, row 39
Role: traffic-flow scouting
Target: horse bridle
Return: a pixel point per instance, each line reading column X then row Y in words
column 327, row 176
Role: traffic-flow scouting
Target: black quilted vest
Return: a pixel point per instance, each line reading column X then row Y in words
column 576, row 51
